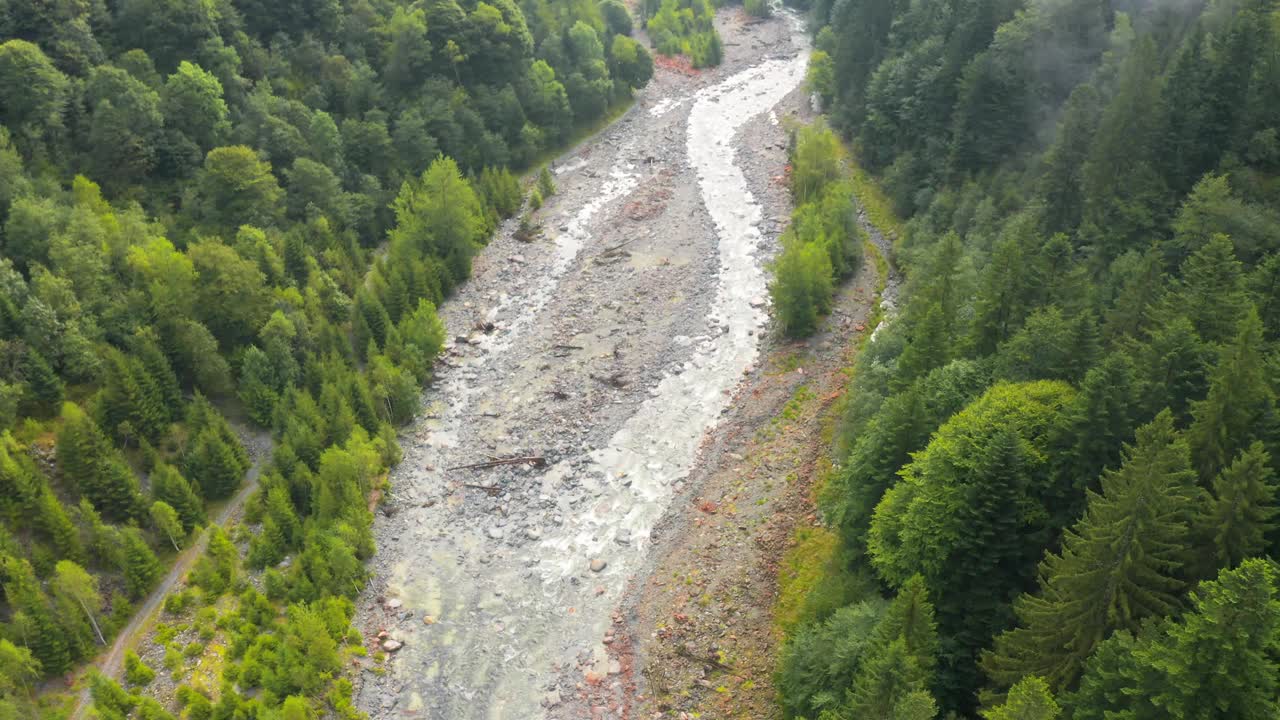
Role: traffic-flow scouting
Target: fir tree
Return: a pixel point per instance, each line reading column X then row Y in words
column 1118, row 565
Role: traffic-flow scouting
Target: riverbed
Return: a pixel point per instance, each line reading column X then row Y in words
column 607, row 348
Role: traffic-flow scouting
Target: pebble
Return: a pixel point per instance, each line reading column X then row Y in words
column 395, row 603
column 598, row 564
column 391, row 645
column 495, row 533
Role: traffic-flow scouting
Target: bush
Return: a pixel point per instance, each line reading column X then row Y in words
column 802, row 286
column 546, row 184
column 136, row 672
column 757, row 8
column 535, row 199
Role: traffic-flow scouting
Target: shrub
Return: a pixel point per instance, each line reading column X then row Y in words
column 136, row 672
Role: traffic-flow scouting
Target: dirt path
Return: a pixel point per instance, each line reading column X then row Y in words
column 617, row 341
column 112, row 663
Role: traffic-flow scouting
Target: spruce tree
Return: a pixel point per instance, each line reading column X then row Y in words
column 1240, row 406
column 1235, row 522
column 213, row 465
column 43, row 391
column 1211, row 292
column 1102, row 420
column 168, row 485
column 145, row 346
column 1029, row 699
column 141, row 568
column 1173, row 367
column 89, row 463
column 1217, row 662
column 36, row 627
column 1118, row 565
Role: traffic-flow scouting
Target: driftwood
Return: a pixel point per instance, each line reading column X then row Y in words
column 534, row 460
column 567, row 347
column 490, row 489
column 615, row 380
column 609, row 251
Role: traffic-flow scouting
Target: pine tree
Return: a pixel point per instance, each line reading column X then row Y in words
column 1235, row 522
column 1118, row 565
column 141, row 568
column 168, row 485
column 1240, row 406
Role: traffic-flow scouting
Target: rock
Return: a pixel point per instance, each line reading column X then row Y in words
column 551, row 699
column 623, row 537
column 391, row 645
column 615, row 667
column 395, row 603
column 495, row 533
column 428, row 620
column 598, row 564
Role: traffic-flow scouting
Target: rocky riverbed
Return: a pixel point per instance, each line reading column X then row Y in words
column 607, row 348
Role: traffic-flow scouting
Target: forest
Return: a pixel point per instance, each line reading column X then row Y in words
column 224, row 219
column 1056, row 490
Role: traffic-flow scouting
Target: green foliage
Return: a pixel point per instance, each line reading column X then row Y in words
column 1119, row 564
column 1029, row 699
column 686, row 27
column 823, row 244
column 136, row 672
column 1216, row 661
column 802, row 286
column 1087, row 194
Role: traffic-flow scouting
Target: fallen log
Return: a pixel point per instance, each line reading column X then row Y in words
column 534, row 460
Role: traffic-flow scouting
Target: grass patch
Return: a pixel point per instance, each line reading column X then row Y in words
column 878, row 206
column 577, row 137
column 813, row 580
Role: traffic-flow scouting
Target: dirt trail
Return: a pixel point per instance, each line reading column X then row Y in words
column 617, row 341
column 112, row 663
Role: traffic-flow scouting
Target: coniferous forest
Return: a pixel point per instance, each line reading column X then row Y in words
column 220, row 209
column 1056, row 490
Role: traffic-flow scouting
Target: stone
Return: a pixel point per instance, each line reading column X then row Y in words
column 395, row 603
column 391, row 645
column 615, row 667
column 495, row 533
column 598, row 564
column 551, row 699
